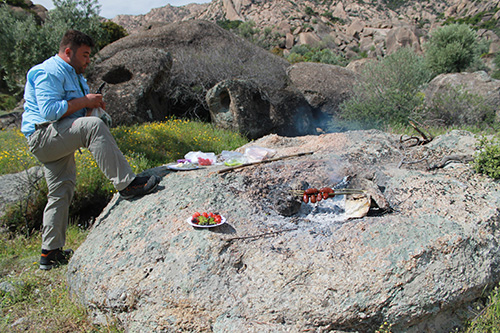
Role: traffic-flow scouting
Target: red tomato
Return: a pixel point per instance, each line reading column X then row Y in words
column 205, row 214
column 211, row 214
column 218, row 219
column 204, row 161
column 195, row 215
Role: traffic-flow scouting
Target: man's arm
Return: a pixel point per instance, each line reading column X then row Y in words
column 50, row 92
column 89, row 101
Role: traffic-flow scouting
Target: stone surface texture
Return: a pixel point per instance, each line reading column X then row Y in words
column 417, row 266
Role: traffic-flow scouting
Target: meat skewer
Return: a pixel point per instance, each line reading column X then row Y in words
column 314, row 195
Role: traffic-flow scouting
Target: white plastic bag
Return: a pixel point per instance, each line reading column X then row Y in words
column 233, row 158
column 256, row 153
column 100, row 113
column 201, row 158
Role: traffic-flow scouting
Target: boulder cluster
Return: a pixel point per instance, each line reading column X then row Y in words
column 348, row 26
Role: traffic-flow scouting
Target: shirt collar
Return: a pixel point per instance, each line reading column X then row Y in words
column 64, row 64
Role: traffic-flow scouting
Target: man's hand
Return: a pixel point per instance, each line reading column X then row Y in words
column 95, row 101
column 89, row 101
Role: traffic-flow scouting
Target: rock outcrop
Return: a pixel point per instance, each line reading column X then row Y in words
column 136, row 84
column 350, row 27
column 417, row 265
column 464, row 89
column 324, row 86
column 203, row 55
column 239, row 106
column 16, row 187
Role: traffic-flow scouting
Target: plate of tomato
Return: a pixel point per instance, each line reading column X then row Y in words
column 206, row 220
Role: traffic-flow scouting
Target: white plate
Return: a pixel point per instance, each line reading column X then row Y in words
column 175, row 167
column 223, row 220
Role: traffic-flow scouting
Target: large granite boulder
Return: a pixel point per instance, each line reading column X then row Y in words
column 19, row 187
column 11, row 120
column 136, row 84
column 400, row 37
column 324, row 86
column 418, row 265
column 291, row 114
column 203, row 55
column 463, row 98
column 240, row 105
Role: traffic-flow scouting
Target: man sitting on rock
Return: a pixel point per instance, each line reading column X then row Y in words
column 55, row 124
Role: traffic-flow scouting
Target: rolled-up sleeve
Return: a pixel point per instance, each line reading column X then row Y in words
column 50, row 94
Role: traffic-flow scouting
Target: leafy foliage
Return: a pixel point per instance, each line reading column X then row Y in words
column 309, row 11
column 307, row 53
column 395, row 4
column 111, row 33
column 452, row 48
column 265, row 38
column 388, row 91
column 477, row 21
column 229, row 25
column 487, row 160
column 25, row 43
column 18, row 3
column 488, row 320
column 7, row 102
column 458, row 107
column 496, row 61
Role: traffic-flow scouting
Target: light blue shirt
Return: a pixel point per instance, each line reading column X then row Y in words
column 49, row 87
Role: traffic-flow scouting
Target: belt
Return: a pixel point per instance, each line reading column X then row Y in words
column 42, row 125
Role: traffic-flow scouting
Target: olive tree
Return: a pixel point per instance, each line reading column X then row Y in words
column 387, row 93
column 26, row 43
column 452, row 48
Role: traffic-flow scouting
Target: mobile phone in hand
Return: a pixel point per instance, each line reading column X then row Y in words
column 99, row 90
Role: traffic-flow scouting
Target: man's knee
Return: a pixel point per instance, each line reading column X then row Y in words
column 94, row 122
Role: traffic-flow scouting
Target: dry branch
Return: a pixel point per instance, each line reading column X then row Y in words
column 263, row 161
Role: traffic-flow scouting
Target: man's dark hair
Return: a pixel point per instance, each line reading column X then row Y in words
column 74, row 39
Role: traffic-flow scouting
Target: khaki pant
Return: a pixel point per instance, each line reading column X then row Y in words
column 54, row 144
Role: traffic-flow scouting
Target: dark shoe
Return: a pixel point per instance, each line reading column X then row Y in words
column 140, row 186
column 54, row 258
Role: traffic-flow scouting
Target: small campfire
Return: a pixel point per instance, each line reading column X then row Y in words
column 314, row 195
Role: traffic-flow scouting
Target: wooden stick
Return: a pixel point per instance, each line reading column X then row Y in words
column 261, row 235
column 263, row 161
column 426, row 139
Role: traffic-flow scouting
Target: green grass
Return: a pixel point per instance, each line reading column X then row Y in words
column 14, row 154
column 167, row 141
column 33, row 300
column 488, row 318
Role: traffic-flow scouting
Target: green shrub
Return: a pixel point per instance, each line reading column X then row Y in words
column 7, row 102
column 455, row 106
column 321, row 54
column 229, row 25
column 488, row 320
column 25, row 43
column 395, row 4
column 452, row 48
column 111, row 33
column 496, row 61
column 309, row 11
column 487, row 161
column 387, row 92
